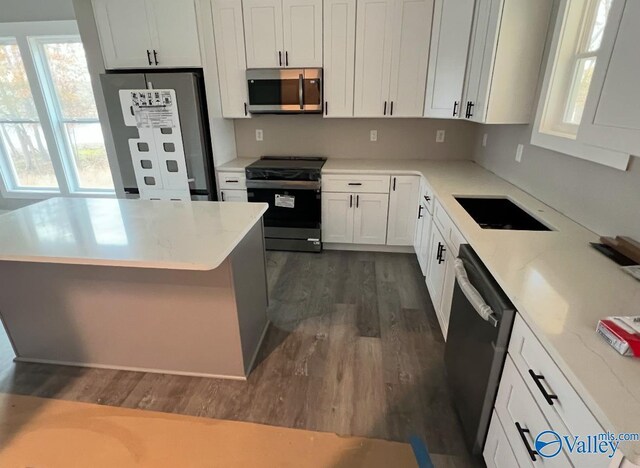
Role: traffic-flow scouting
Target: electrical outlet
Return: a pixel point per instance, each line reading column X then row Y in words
column 519, row 153
column 373, row 135
column 259, row 135
column 484, row 139
column 440, row 136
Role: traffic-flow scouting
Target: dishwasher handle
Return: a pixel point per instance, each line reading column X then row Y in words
column 472, row 294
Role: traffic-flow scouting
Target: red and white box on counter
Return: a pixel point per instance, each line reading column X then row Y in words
column 623, row 333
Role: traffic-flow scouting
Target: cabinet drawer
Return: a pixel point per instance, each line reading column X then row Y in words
column 427, row 196
column 564, row 408
column 232, row 180
column 497, row 452
column 356, row 183
column 233, row 195
column 450, row 232
column 523, row 420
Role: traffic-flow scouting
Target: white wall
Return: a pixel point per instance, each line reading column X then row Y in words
column 306, row 135
column 12, row 11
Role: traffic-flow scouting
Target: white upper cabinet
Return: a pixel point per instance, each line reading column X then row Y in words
column 403, row 210
column 507, row 45
column 125, row 35
column 232, row 66
column 611, row 118
column 174, row 33
column 452, row 20
column 148, row 33
column 339, row 56
column 302, row 33
column 283, row 33
column 392, row 46
column 373, row 57
column 263, row 33
column 411, row 37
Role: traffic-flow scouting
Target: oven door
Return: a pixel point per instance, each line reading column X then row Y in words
column 294, row 208
column 282, row 91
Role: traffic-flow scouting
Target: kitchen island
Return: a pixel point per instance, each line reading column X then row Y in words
column 171, row 287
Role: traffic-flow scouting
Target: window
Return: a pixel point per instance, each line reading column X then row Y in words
column 50, row 137
column 573, row 54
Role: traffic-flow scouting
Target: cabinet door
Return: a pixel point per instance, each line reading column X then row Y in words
column 423, row 253
column 448, row 57
column 124, row 32
column 374, row 24
column 229, row 36
column 447, row 290
column 497, row 452
column 403, row 209
column 477, row 61
column 174, row 33
column 410, row 53
column 233, row 195
column 370, row 218
column 337, row 217
column 611, row 119
column 263, row 33
column 339, row 56
column 302, row 27
column 436, row 268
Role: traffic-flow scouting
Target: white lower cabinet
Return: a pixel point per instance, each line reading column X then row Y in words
column 497, row 452
column 370, row 218
column 437, row 267
column 354, row 218
column 425, row 237
column 403, row 210
column 233, row 195
column 447, row 292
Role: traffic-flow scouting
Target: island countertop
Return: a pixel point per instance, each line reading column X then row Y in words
column 196, row 235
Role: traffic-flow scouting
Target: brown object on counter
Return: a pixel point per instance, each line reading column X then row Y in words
column 625, row 246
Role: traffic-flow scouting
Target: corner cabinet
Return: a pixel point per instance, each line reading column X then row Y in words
column 403, row 210
column 148, row 33
column 452, row 21
column 392, row 49
column 232, row 66
column 283, row 33
column 611, row 119
column 505, row 56
column 339, row 57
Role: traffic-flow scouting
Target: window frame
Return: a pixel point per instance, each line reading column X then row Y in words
column 563, row 138
column 28, row 36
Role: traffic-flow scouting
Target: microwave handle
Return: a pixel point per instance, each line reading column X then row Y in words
column 300, row 90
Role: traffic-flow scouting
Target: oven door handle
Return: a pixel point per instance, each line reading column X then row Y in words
column 301, row 90
column 284, row 184
column 472, row 294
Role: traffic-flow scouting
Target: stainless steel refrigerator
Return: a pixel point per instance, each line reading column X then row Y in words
column 189, row 89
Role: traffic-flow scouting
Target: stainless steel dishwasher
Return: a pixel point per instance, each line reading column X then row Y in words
column 476, row 348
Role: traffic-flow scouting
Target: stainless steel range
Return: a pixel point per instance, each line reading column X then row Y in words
column 291, row 185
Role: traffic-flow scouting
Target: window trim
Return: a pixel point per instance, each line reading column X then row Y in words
column 557, row 141
column 25, row 33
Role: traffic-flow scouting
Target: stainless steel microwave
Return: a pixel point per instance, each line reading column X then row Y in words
column 285, row 90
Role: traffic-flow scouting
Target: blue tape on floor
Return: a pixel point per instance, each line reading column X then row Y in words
column 420, row 452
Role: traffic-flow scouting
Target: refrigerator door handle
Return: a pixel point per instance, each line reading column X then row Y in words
column 472, row 294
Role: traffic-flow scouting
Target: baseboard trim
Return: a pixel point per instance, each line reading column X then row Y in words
column 126, row 368
column 368, row 248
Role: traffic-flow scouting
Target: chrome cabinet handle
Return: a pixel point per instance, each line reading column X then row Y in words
column 549, row 397
column 301, row 90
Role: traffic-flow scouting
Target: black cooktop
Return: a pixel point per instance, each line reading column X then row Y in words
column 286, row 168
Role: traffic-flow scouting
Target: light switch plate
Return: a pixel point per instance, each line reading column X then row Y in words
column 259, row 135
column 484, row 139
column 440, row 136
column 373, row 135
column 519, row 153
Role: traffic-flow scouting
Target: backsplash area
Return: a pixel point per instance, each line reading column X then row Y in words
column 350, row 138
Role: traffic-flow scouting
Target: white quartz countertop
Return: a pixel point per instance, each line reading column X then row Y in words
column 131, row 233
column 238, row 164
column 559, row 284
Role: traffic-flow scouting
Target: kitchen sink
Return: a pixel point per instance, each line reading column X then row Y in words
column 500, row 213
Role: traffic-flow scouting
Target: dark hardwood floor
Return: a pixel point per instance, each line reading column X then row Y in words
column 354, row 347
